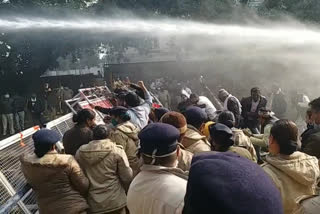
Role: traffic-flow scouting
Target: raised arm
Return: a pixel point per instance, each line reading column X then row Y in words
column 147, row 95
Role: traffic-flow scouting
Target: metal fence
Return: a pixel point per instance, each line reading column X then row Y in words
column 11, row 177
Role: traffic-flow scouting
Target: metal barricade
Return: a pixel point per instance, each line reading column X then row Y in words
column 62, row 124
column 12, row 180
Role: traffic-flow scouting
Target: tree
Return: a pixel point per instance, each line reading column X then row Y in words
column 304, row 10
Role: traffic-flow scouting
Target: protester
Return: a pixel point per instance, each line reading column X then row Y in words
column 311, row 139
column 205, row 103
column 294, row 173
column 19, row 104
column 120, row 98
column 7, row 110
column 177, row 120
column 139, row 113
column 221, row 140
column 267, row 119
column 193, row 140
column 138, row 90
column 300, row 102
column 126, row 135
column 229, row 184
column 185, row 100
column 164, row 97
column 57, row 179
column 107, row 168
column 250, row 109
column 278, row 102
column 240, row 139
column 231, row 103
column 160, row 187
column 81, row 133
column 36, row 107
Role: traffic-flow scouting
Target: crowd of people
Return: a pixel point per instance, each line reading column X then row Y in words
column 236, row 158
column 18, row 111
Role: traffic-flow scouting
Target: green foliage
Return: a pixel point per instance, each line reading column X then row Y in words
column 304, row 10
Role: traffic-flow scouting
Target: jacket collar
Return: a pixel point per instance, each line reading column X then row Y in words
column 193, row 128
column 148, row 167
column 173, row 170
column 52, row 152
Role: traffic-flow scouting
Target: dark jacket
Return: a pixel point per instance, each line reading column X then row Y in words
column 53, row 99
column 311, row 143
column 279, row 105
column 306, row 134
column 58, row 182
column 18, row 103
column 37, row 108
column 76, row 137
column 183, row 105
column 250, row 120
column 6, row 106
column 235, row 109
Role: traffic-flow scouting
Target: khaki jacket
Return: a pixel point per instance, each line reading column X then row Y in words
column 295, row 176
column 58, row 182
column 241, row 140
column 107, row 168
column 148, row 192
column 126, row 135
column 241, row 151
column 262, row 139
column 184, row 159
column 194, row 141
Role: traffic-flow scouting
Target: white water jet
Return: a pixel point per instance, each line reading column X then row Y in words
column 258, row 54
column 278, row 34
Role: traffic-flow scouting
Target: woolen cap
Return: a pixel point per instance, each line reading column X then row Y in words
column 219, row 128
column 230, row 184
column 158, row 139
column 195, row 115
column 223, row 92
column 175, row 119
column 46, row 136
column 221, row 134
column 159, row 112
